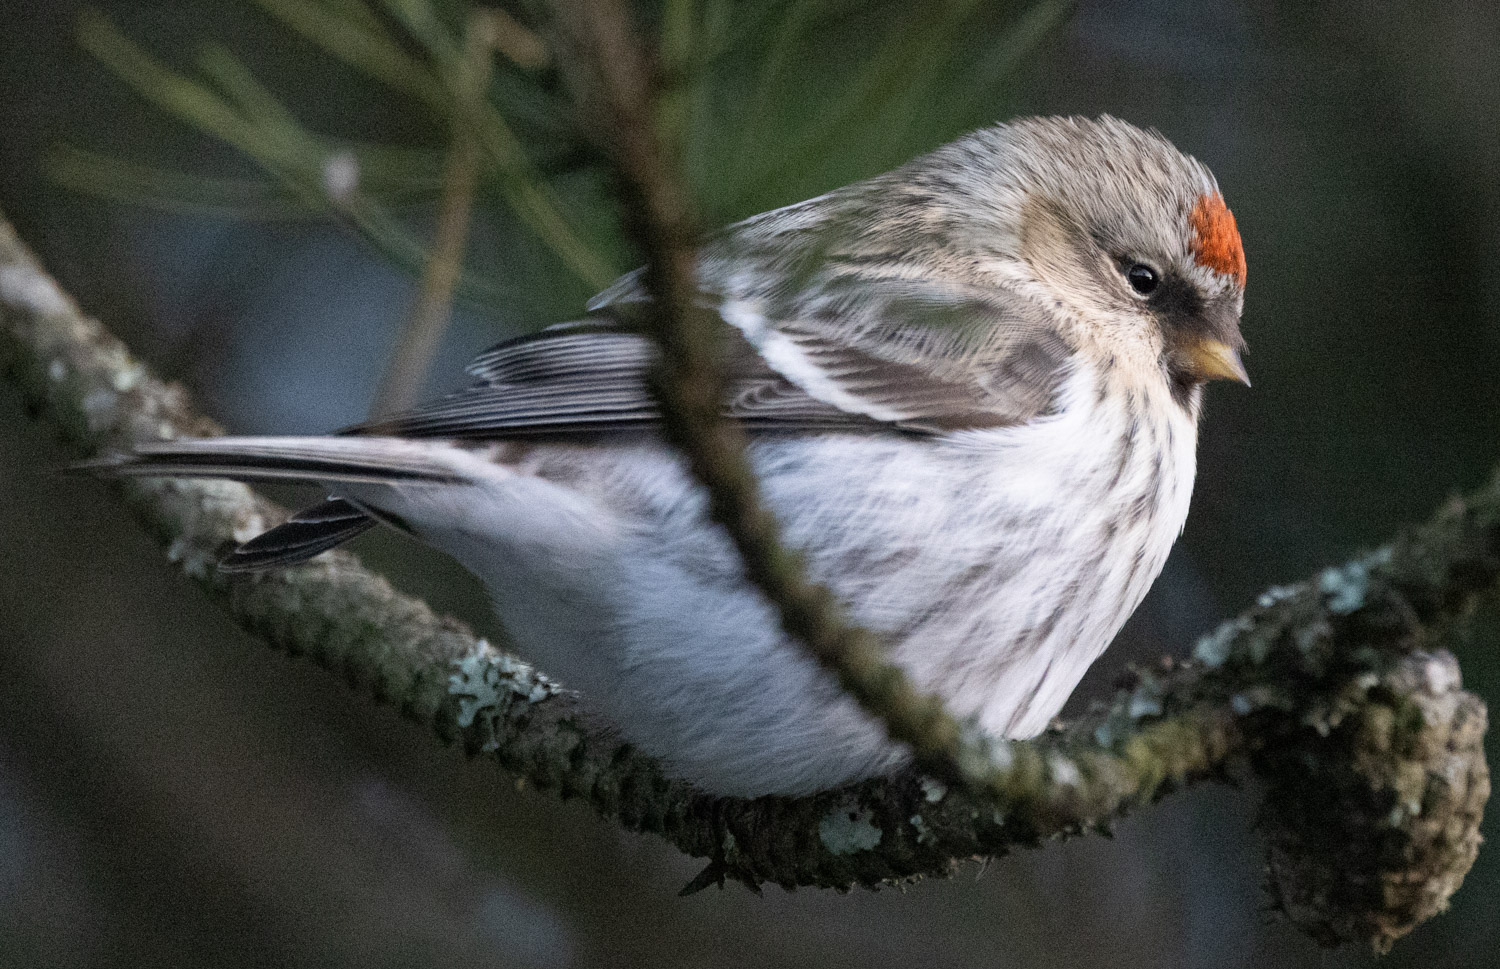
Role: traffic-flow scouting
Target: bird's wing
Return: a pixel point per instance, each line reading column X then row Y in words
column 830, row 326
column 884, row 355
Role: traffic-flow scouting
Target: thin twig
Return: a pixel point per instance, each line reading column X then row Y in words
column 614, row 84
column 412, row 358
column 295, row 157
column 524, row 189
column 519, row 45
column 391, row 177
column 285, row 151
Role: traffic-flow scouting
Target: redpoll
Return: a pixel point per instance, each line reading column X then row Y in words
column 972, row 387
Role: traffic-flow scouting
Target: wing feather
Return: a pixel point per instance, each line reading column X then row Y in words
column 816, row 340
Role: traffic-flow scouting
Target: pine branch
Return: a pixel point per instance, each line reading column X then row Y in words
column 405, row 374
column 1334, row 690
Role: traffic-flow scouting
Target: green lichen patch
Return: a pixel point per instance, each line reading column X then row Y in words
column 488, row 682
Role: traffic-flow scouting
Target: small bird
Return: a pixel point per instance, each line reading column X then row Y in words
column 971, row 386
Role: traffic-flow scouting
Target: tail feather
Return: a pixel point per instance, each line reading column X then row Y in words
column 328, row 461
column 310, row 532
column 354, row 460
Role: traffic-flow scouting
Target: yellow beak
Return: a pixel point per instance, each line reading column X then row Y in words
column 1210, row 359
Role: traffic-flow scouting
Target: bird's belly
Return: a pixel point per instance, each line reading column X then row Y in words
column 995, row 592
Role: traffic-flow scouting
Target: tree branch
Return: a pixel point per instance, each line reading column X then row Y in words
column 1333, row 689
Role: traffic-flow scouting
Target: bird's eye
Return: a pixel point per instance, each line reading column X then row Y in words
column 1143, row 279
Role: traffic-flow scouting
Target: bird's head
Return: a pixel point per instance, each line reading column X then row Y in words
column 1126, row 235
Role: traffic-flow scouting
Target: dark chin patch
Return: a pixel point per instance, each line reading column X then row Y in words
column 1187, row 318
column 1180, row 309
column 1187, row 391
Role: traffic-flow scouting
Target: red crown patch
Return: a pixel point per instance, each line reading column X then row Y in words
column 1216, row 241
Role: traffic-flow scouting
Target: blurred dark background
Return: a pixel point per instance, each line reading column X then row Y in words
column 174, row 793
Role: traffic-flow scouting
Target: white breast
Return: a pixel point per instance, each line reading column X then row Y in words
column 996, row 564
column 999, row 564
